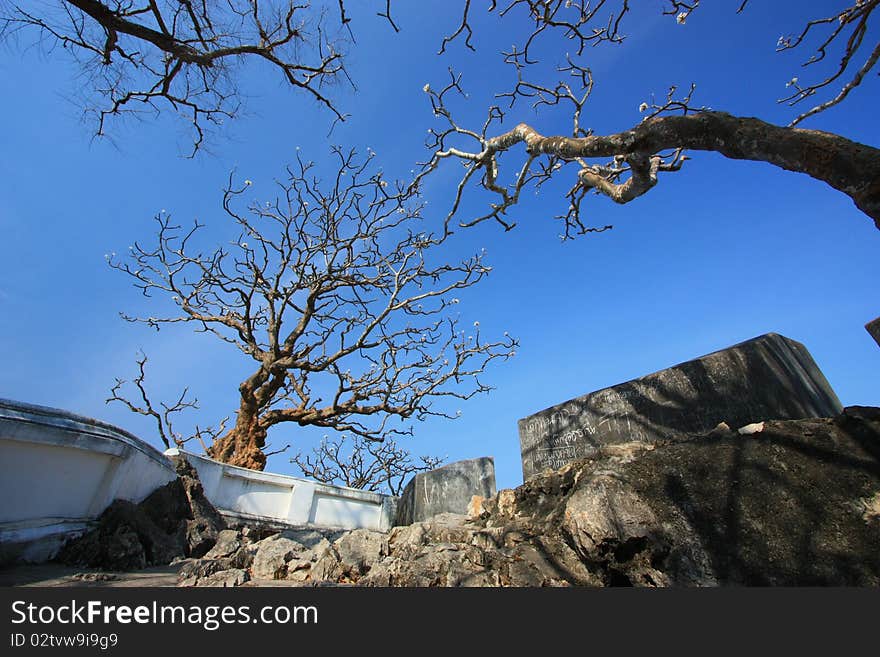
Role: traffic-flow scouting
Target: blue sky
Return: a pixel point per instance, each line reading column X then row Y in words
column 717, row 253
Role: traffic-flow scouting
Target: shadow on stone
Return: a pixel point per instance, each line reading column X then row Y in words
column 769, row 377
column 174, row 521
column 447, row 489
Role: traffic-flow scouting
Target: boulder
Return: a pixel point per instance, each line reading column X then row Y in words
column 873, row 328
column 203, row 521
column 174, row 521
column 765, row 378
column 232, row 554
column 226, row 578
column 126, row 538
column 786, row 502
column 358, row 550
column 790, row 503
column 447, row 489
column 229, row 541
column 288, row 554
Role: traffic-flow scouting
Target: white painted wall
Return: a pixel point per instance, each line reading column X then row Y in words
column 246, row 494
column 59, row 471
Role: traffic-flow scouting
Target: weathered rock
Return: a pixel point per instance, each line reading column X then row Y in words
column 126, row 538
column 212, row 572
column 272, row 556
column 768, row 377
column 226, row 578
column 437, row 565
column 754, row 427
column 792, row 504
column 447, row 489
column 796, row 503
column 475, row 507
column 193, row 570
column 231, row 553
column 229, row 541
column 609, row 523
column 871, row 506
column 288, row 554
column 174, row 521
column 873, row 327
column 167, row 507
column 606, row 513
column 779, row 507
column 203, row 522
column 95, row 577
column 360, row 548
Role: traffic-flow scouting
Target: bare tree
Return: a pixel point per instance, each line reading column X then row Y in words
column 149, row 55
column 630, row 161
column 338, row 298
column 182, row 54
column 361, row 463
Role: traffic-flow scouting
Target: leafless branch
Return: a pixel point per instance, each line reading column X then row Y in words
column 656, row 145
column 638, row 155
column 365, row 464
column 163, row 418
column 537, row 168
column 179, row 55
column 575, row 21
column 845, row 31
column 579, row 23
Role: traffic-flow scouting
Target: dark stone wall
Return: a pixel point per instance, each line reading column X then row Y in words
column 447, row 489
column 768, row 377
column 873, row 328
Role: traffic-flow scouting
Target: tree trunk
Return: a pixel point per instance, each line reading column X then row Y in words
column 243, row 444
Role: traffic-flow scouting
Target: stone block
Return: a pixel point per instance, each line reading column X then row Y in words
column 447, row 489
column 873, row 327
column 766, row 378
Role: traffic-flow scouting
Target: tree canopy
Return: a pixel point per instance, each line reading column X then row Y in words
column 335, row 293
column 182, row 54
column 533, row 142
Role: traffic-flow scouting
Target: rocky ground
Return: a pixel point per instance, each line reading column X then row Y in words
column 776, row 503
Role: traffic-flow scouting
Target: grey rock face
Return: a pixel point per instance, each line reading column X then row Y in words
column 796, row 503
column 289, row 554
column 226, row 578
column 174, row 521
column 229, row 541
column 203, row 521
column 767, row 378
column 873, row 327
column 359, row 550
column 447, row 489
column 125, row 538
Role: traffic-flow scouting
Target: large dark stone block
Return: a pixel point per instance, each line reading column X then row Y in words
column 447, row 489
column 873, row 327
column 767, row 378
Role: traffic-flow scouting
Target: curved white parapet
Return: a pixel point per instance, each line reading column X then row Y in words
column 249, row 495
column 59, row 471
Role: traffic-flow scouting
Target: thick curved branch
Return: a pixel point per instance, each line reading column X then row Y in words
column 848, row 166
column 115, row 22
